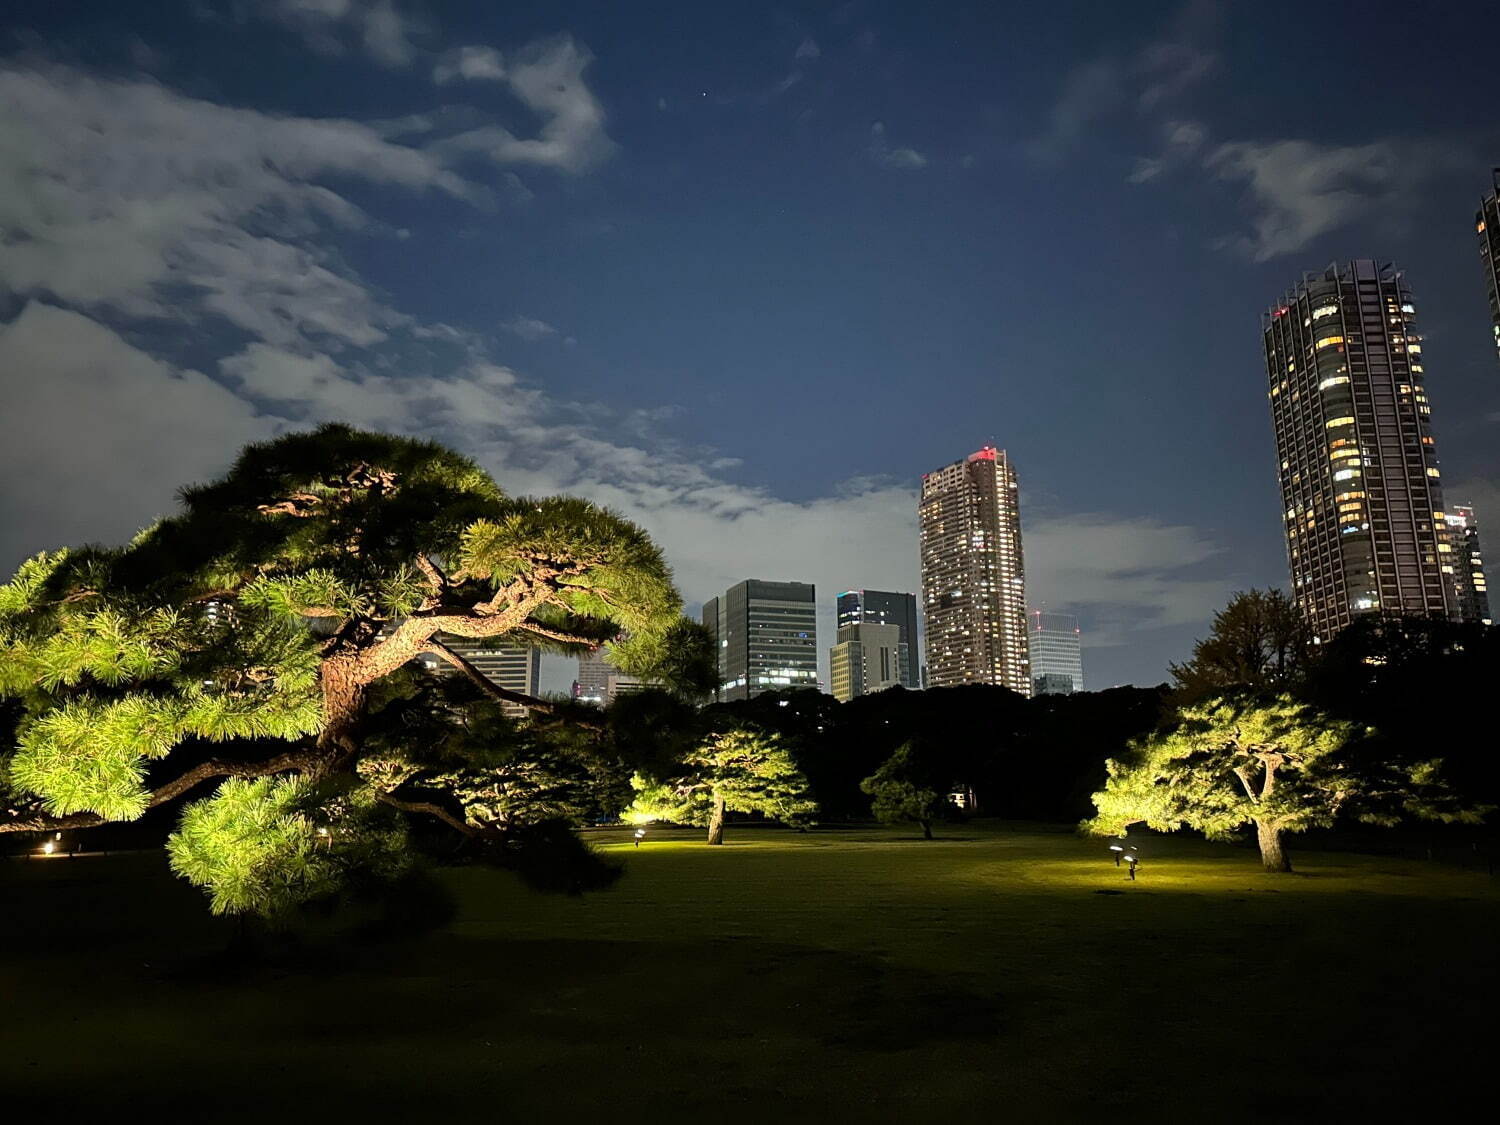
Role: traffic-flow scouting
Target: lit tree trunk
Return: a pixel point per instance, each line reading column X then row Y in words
column 1271, row 853
column 343, row 706
column 716, row 822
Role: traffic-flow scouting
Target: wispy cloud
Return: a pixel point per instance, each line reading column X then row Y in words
column 883, row 153
column 376, row 27
column 529, row 328
column 807, row 50
column 469, row 64
column 547, row 77
column 1298, row 190
column 1144, row 82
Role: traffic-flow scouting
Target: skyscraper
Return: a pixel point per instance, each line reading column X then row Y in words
column 973, row 577
column 1360, row 485
column 880, row 607
column 1487, row 222
column 1470, row 589
column 767, row 633
column 1056, row 649
column 592, row 684
column 866, row 659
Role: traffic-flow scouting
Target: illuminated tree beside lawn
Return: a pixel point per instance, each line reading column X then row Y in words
column 1277, row 764
column 742, row 770
column 244, row 638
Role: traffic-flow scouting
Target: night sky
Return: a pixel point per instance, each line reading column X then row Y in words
column 740, row 271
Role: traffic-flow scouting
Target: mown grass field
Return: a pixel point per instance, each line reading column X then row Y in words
column 1000, row 973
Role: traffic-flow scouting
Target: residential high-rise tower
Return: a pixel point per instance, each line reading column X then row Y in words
column 1056, row 648
column 767, row 636
column 973, row 576
column 881, row 607
column 1470, row 588
column 1487, row 222
column 1361, row 489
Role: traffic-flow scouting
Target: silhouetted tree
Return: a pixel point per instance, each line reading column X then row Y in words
column 1259, row 641
column 907, row 787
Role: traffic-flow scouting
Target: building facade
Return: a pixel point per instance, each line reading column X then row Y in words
column 882, row 607
column 866, row 659
column 1360, row 485
column 1487, row 222
column 592, row 684
column 1055, row 645
column 973, row 575
column 767, row 637
column 511, row 666
column 1470, row 589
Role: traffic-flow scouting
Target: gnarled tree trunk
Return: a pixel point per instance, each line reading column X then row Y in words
column 343, row 707
column 716, row 822
column 1271, row 853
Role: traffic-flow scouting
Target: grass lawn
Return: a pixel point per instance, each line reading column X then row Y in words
column 1002, row 972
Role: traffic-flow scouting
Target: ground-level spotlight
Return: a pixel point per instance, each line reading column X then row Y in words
column 49, row 847
column 1117, row 850
column 640, row 834
column 1134, row 861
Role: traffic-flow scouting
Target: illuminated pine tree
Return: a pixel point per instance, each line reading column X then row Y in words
column 242, row 639
column 741, row 770
column 1277, row 764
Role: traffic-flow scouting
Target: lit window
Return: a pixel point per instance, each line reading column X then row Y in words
column 1346, row 474
column 1330, row 341
column 1433, row 472
column 1333, row 381
column 1325, row 310
column 1345, row 420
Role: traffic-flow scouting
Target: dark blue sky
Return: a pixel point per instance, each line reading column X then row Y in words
column 815, row 249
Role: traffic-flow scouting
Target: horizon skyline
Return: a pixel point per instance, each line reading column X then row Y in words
column 740, row 285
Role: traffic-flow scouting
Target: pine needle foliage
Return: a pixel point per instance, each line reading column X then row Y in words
column 264, row 615
column 744, row 770
column 1275, row 763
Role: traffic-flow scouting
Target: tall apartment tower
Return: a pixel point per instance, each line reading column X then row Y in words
column 1056, row 648
column 1471, row 590
column 767, row 633
column 1360, row 487
column 973, row 577
column 881, row 607
column 1487, row 221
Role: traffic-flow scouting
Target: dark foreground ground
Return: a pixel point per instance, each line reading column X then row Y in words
column 1002, row 974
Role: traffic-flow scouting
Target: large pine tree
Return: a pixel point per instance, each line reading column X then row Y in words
column 242, row 639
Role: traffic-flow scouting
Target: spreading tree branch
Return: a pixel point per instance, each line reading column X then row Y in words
column 489, row 687
column 31, row 820
column 430, row 809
